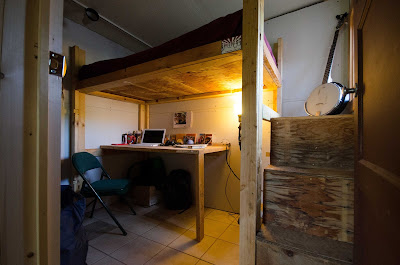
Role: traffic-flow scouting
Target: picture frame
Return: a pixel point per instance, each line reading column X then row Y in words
column 182, row 119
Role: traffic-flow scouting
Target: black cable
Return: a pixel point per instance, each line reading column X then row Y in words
column 226, row 159
column 226, row 194
column 227, row 179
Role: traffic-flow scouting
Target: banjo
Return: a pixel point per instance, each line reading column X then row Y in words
column 329, row 98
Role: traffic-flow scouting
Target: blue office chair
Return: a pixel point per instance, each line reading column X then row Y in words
column 83, row 162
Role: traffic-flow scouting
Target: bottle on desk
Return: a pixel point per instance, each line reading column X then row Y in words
column 138, row 136
column 124, row 139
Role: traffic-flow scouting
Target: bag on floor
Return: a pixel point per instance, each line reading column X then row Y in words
column 73, row 239
column 177, row 192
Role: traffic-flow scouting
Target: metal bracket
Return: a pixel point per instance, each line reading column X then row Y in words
column 353, row 90
column 57, row 64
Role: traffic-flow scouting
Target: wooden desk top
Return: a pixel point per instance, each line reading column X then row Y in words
column 165, row 149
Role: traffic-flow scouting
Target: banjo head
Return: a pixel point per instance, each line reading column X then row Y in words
column 324, row 99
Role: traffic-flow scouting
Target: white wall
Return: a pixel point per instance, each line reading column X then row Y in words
column 106, row 119
column 307, row 37
column 219, row 117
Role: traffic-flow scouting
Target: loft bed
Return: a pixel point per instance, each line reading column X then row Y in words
column 206, row 62
column 193, row 67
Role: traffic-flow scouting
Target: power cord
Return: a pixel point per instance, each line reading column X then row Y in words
column 226, row 182
column 226, row 159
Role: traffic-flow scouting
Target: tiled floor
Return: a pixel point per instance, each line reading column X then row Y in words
column 159, row 236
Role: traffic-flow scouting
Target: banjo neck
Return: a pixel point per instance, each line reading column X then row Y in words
column 330, row 58
column 328, row 67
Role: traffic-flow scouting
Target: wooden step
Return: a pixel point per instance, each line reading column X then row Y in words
column 313, row 142
column 277, row 246
column 318, row 202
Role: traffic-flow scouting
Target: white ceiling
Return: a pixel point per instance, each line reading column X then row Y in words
column 157, row 21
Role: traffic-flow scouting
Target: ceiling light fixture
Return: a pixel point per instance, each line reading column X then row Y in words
column 92, row 14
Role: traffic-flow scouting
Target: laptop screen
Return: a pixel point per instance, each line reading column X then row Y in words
column 153, row 136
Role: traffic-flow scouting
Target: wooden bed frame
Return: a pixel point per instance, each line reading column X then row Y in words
column 198, row 73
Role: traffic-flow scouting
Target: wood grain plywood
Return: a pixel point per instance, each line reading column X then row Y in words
column 194, row 72
column 317, row 203
column 277, row 245
column 271, row 254
column 313, row 142
column 222, row 74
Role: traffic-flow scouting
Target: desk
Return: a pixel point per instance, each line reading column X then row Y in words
column 199, row 178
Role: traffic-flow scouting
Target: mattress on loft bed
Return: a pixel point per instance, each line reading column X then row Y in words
column 219, row 29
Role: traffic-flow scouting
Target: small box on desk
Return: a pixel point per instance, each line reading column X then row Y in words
column 146, row 195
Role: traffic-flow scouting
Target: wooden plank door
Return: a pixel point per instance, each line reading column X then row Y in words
column 377, row 179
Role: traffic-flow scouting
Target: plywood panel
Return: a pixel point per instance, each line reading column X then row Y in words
column 306, row 247
column 271, row 254
column 315, row 202
column 313, row 142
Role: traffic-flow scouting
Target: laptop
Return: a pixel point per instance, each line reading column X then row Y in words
column 152, row 137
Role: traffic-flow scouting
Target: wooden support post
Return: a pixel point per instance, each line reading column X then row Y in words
column 200, row 196
column 280, row 67
column 77, row 101
column 144, row 117
column 251, row 173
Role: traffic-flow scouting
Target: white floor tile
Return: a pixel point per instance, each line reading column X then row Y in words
column 94, row 255
column 212, row 228
column 108, row 261
column 222, row 216
column 111, row 241
column 140, row 224
column 231, row 234
column 169, row 256
column 137, row 252
column 187, row 243
column 222, row 253
column 164, row 233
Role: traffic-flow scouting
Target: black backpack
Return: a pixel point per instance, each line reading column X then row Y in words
column 177, row 194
